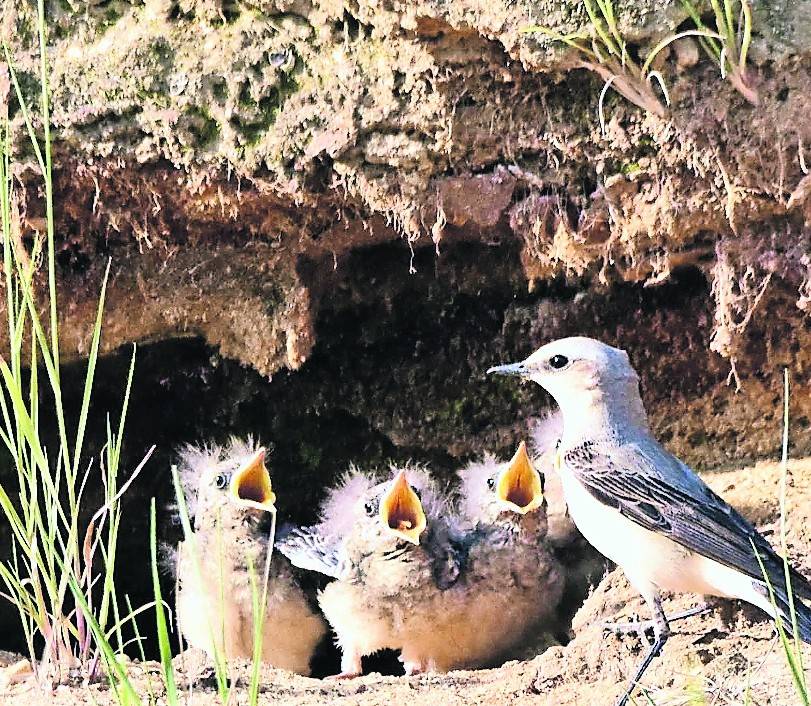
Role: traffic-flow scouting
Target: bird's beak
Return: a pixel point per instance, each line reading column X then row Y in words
column 509, row 369
column 401, row 511
column 520, row 486
column 250, row 485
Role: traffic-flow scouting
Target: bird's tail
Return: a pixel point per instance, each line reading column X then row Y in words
column 801, row 611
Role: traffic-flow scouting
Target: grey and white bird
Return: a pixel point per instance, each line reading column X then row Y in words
column 513, row 582
column 389, row 546
column 231, row 502
column 642, row 507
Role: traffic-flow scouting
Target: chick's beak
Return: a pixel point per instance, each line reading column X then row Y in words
column 520, row 486
column 401, row 511
column 250, row 485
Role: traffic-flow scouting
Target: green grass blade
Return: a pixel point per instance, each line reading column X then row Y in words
column 788, row 647
column 599, row 28
column 160, row 617
column 48, row 178
column 91, row 372
column 259, row 605
column 568, row 39
column 32, row 135
column 712, row 48
column 140, row 642
column 783, row 530
column 791, row 649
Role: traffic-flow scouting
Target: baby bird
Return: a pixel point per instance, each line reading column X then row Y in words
column 390, row 546
column 513, row 582
column 231, row 503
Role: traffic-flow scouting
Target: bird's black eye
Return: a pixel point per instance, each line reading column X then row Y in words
column 369, row 508
column 558, row 361
column 491, row 483
column 221, row 481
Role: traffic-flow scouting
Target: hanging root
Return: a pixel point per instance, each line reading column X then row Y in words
column 737, row 290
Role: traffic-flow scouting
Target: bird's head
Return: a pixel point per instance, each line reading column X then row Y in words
column 494, row 492
column 578, row 372
column 371, row 517
column 233, row 486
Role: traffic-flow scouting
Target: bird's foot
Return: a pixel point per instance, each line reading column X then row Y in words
column 643, row 629
column 351, row 665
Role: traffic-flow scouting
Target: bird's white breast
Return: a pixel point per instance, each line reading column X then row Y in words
column 646, row 557
column 650, row 560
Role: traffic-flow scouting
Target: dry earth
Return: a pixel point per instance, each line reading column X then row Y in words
column 729, row 656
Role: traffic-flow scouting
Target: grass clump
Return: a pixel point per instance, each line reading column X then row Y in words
column 604, row 51
column 729, row 44
column 60, row 576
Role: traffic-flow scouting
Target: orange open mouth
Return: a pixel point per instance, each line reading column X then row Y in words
column 401, row 511
column 250, row 485
column 520, row 486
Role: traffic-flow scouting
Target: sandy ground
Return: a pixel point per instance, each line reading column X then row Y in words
column 728, row 656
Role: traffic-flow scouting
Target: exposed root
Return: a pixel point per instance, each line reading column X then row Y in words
column 737, row 294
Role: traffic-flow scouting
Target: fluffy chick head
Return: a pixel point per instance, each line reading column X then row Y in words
column 375, row 516
column 545, row 433
column 226, row 486
column 494, row 492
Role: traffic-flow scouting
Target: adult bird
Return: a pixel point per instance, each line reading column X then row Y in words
column 230, row 499
column 641, row 506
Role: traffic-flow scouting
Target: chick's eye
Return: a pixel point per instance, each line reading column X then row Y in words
column 369, row 508
column 491, row 483
column 558, row 361
column 221, row 481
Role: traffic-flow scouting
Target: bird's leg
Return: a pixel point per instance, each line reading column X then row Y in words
column 661, row 633
column 350, row 664
column 641, row 627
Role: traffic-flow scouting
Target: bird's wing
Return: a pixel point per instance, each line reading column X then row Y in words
column 308, row 549
column 660, row 493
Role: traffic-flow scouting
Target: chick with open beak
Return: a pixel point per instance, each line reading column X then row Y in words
column 231, row 503
column 515, row 580
column 390, row 548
